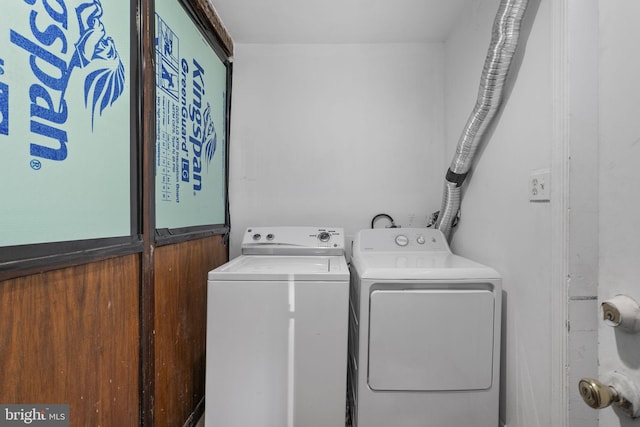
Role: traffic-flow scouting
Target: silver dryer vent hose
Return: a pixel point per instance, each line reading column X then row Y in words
column 504, row 41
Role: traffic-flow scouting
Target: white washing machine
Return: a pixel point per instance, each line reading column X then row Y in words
column 424, row 338
column 277, row 322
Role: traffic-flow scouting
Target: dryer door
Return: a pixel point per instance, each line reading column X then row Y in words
column 431, row 339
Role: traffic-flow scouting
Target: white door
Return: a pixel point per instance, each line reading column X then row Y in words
column 619, row 187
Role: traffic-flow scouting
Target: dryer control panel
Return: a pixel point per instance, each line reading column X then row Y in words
column 400, row 240
column 293, row 241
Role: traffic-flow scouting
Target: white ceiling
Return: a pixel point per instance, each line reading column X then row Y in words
column 338, row 21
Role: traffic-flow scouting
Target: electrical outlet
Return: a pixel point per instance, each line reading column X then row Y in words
column 540, row 185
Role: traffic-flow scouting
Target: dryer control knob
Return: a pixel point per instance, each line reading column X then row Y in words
column 420, row 240
column 257, row 236
column 402, row 240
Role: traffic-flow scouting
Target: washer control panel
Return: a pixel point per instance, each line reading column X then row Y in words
column 293, row 240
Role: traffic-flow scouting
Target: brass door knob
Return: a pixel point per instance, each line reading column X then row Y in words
column 596, row 394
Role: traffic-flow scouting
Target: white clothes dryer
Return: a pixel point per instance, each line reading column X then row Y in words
column 424, row 338
column 277, row 321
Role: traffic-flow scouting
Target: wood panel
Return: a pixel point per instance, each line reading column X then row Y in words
column 70, row 336
column 180, row 326
column 214, row 24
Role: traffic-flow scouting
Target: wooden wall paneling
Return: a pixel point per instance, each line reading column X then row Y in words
column 180, row 326
column 70, row 336
column 213, row 23
column 147, row 207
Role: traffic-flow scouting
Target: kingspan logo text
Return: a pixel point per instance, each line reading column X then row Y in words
column 203, row 135
column 58, row 45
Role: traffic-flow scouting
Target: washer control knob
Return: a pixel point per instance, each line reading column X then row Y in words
column 270, row 236
column 420, row 239
column 402, row 240
column 257, row 236
column 324, row 236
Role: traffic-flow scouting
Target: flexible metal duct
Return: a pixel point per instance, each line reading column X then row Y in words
column 504, row 41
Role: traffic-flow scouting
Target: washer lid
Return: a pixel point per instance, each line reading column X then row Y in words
column 275, row 267
column 420, row 265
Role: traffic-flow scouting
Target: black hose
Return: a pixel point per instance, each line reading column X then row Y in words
column 383, row 215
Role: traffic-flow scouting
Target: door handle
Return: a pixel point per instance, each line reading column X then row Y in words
column 597, row 395
column 617, row 390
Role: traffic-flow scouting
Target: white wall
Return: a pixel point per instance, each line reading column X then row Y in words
column 334, row 134
column 500, row 226
column 619, row 179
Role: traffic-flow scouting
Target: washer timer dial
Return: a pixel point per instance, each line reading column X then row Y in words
column 324, row 236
